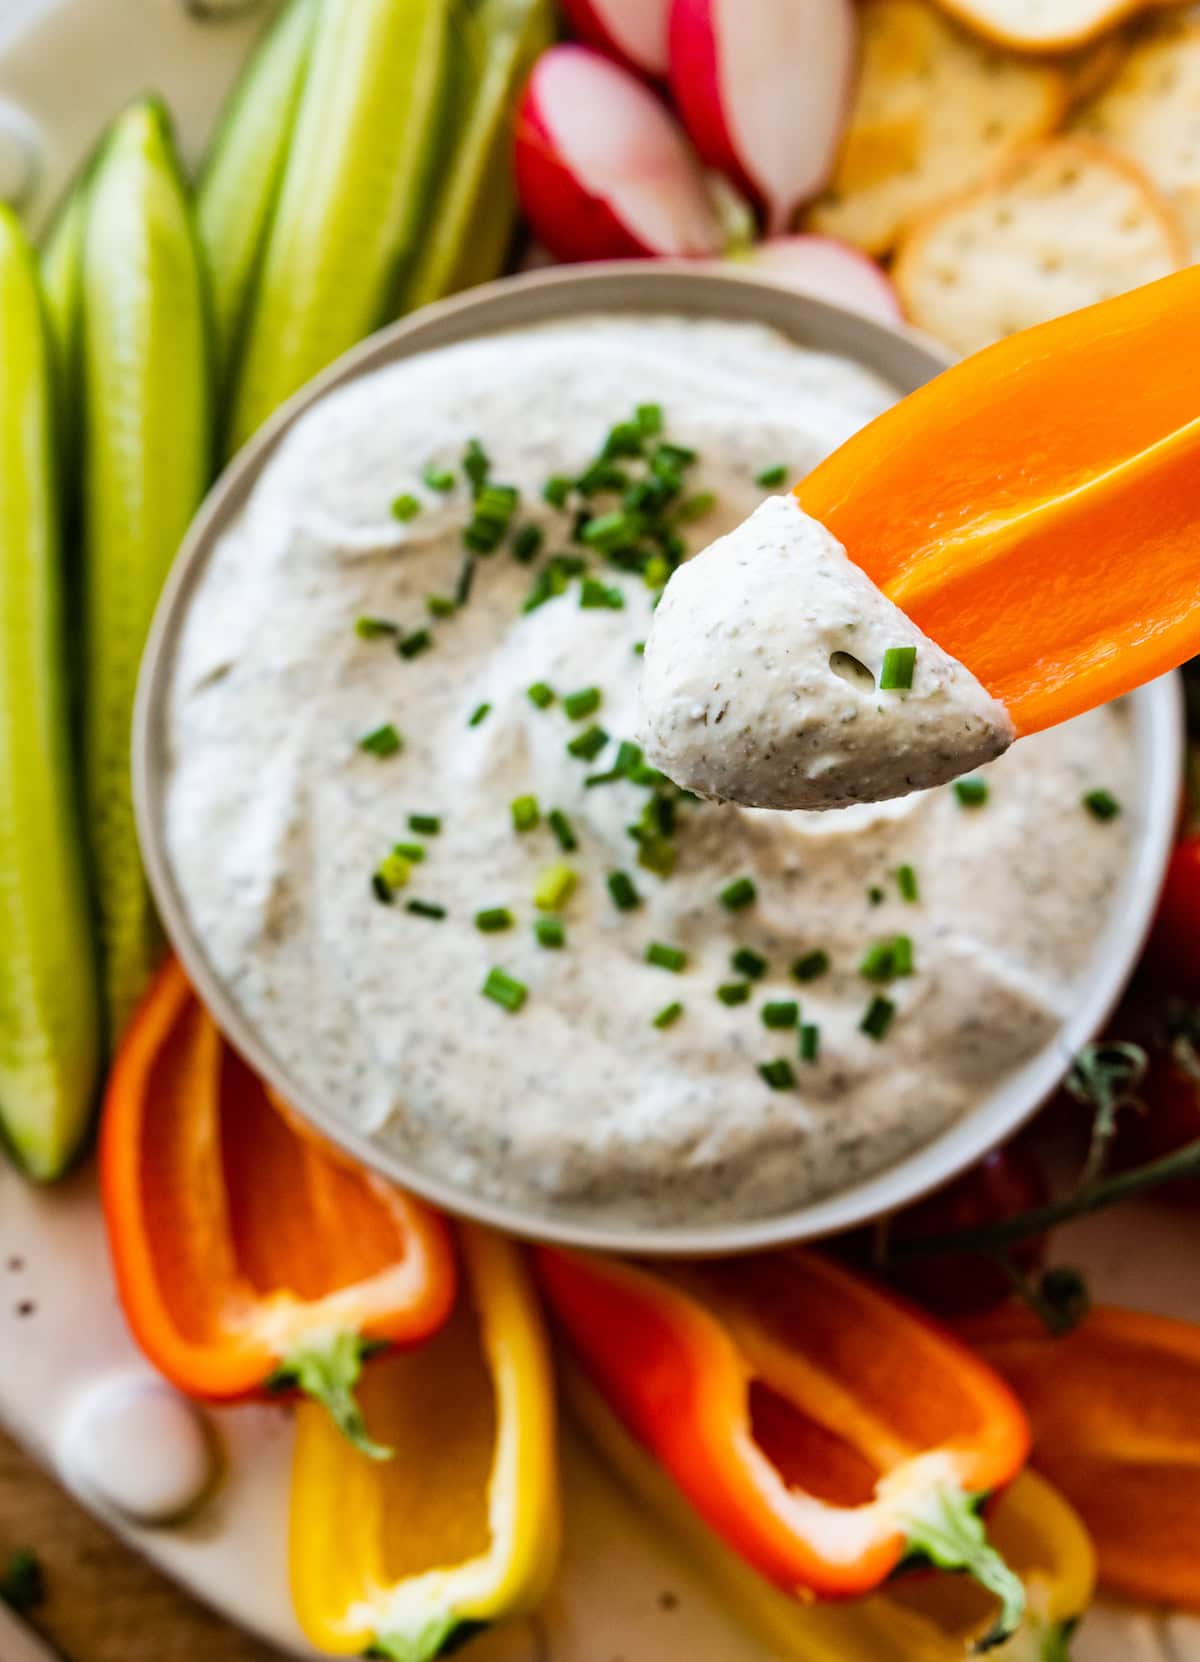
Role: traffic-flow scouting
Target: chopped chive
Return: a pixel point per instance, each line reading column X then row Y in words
column 381, row 741
column 972, row 793
column 525, row 812
column 480, row 713
column 666, row 957
column 503, row 990
column 696, row 507
column 772, row 475
column 811, row 965
column 896, row 674
column 412, row 852
column 779, row 1074
column 1102, row 805
column 493, row 919
column 601, row 475
column 668, row 1015
column 426, row 825
column 405, row 506
column 441, row 605
column 586, row 746
column 902, row 955
column 656, row 571
column 887, row 960
column 527, row 543
column 556, row 490
column 624, row 895
column 672, row 455
column 550, row 932
column 497, row 501
column 639, row 649
column 475, row 465
column 780, row 1012
column 466, row 576
column 563, row 830
column 382, row 890
column 649, row 418
column 585, row 702
column 438, row 478
column 594, row 595
column 411, row 646
column 658, row 855
column 875, row 895
column 554, row 887
column 540, row 694
column 739, row 894
column 484, row 536
column 625, row 439
column 395, row 870
column 878, row 1017
column 372, row 628
column 608, row 532
column 810, row 1042
column 734, row 992
column 425, row 909
column 906, row 882
column 749, row 964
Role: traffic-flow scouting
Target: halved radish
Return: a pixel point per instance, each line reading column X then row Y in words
column 633, row 30
column 763, row 89
column 825, row 268
column 602, row 170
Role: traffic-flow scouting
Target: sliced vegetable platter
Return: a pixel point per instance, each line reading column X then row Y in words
column 195, row 271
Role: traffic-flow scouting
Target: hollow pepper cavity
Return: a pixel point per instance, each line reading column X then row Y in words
column 228, row 1227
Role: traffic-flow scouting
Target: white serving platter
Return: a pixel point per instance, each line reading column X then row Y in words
column 625, row 1594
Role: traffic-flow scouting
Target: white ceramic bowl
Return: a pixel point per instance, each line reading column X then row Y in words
column 901, row 358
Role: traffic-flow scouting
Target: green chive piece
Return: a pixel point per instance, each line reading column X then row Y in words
column 810, row 1042
column 649, row 418
column 441, row 605
column 811, row 965
column 875, row 895
column 896, row 675
column 395, row 870
column 438, row 478
column 600, row 475
column 594, row 595
column 972, row 793
column 749, row 964
column 780, row 1012
column 734, row 992
column 425, row 825
column 906, row 882
column 639, row 649
column 625, row 439
column 666, row 957
column 372, row 628
column 556, row 490
column 493, row 919
column 658, row 855
column 902, row 955
column 412, row 852
column 878, row 1017
column 540, row 694
column 587, row 745
column 527, row 543
column 739, row 894
column 585, row 702
column 466, row 576
column 624, row 895
column 779, row 1074
column 672, row 455
column 382, row 892
column 503, row 990
column 696, row 507
column 480, row 713
column 381, row 741
column 608, row 532
column 412, row 646
column 887, row 960
column 1102, row 805
column 771, row 476
column 525, row 812
column 550, row 932
column 668, row 1015
column 563, row 830
column 554, row 887
column 476, row 465
column 425, row 909
column 656, row 571
column 405, row 506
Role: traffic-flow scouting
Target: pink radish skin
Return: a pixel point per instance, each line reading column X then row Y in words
column 824, row 268
column 635, row 31
column 603, row 172
column 763, row 87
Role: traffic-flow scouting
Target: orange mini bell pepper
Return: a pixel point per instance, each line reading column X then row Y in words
column 1115, row 1409
column 249, row 1257
column 1034, row 509
column 825, row 1431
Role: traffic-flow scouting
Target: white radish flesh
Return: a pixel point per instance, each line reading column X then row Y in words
column 633, row 30
column 824, row 268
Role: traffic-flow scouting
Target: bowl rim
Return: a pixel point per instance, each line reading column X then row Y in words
column 901, row 356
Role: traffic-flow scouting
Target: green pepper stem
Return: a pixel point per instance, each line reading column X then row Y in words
column 327, row 1370
column 951, row 1534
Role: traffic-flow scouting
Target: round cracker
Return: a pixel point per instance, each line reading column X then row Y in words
column 1065, row 225
column 1045, row 25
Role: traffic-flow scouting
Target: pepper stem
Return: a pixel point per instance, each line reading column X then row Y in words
column 950, row 1533
column 328, row 1369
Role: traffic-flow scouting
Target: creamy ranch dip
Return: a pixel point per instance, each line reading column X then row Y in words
column 630, row 1072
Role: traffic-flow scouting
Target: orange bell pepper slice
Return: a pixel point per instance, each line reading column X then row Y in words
column 823, row 1429
column 1115, row 1408
column 1035, row 509
column 248, row 1256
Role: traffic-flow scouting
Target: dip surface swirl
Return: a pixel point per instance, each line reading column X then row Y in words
column 279, row 821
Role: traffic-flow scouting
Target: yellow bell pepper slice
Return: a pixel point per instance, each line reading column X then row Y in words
column 920, row 1618
column 461, row 1529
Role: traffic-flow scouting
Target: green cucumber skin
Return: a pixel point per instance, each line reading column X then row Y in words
column 243, row 170
column 353, row 191
column 494, row 46
column 49, row 997
column 147, row 451
column 62, row 286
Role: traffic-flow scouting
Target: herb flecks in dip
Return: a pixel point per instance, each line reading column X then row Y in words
column 503, row 946
column 778, row 676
